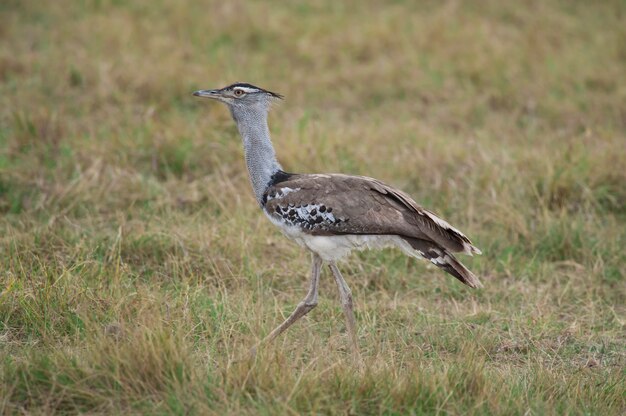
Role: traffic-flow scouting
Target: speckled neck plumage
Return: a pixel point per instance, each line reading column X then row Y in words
column 259, row 152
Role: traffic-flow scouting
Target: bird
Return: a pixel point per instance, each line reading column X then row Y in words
column 330, row 215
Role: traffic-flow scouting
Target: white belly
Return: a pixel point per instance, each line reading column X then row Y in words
column 336, row 247
column 332, row 248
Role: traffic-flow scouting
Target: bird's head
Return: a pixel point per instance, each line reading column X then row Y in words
column 240, row 96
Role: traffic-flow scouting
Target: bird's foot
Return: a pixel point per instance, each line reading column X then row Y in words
column 357, row 360
column 252, row 352
column 249, row 356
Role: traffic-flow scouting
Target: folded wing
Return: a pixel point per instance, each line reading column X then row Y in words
column 342, row 204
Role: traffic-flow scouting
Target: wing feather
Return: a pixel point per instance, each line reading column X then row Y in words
column 343, row 204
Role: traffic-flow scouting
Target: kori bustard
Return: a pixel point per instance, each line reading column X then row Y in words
column 333, row 214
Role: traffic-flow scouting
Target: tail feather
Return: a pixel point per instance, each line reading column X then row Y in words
column 445, row 260
column 458, row 270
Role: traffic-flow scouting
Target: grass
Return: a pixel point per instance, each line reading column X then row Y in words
column 135, row 269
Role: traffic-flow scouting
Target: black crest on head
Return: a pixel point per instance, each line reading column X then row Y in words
column 246, row 85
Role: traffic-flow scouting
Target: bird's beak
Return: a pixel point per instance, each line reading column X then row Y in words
column 215, row 94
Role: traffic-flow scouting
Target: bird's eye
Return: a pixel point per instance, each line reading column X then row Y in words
column 238, row 93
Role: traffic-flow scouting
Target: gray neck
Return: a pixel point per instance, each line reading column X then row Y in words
column 259, row 152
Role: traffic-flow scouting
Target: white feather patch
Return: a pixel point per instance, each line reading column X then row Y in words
column 247, row 90
column 282, row 192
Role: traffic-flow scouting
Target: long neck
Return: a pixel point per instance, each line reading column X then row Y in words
column 259, row 152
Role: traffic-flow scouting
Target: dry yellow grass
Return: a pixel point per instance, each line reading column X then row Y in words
column 134, row 272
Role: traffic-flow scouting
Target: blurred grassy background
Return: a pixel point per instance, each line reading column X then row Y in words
column 134, row 269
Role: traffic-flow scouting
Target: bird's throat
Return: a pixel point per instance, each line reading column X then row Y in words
column 259, row 152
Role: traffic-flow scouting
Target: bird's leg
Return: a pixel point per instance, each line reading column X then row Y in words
column 308, row 303
column 346, row 302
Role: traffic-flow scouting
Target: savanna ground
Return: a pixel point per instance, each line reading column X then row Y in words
column 136, row 265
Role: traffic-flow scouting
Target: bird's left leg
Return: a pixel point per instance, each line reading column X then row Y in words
column 308, row 303
column 346, row 302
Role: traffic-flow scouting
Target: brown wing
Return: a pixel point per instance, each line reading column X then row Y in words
column 343, row 204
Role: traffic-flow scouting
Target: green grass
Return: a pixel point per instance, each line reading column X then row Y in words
column 135, row 272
